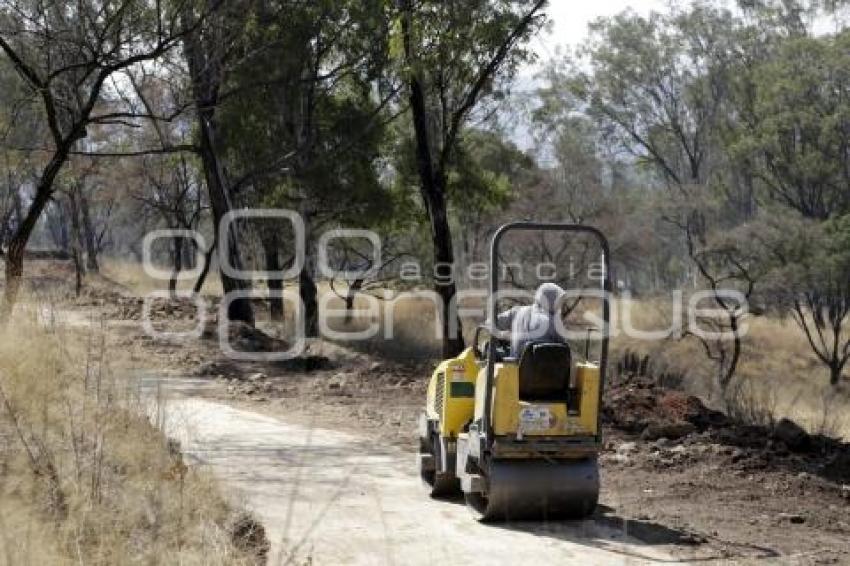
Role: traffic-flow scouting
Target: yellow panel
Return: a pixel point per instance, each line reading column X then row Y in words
column 451, row 393
column 507, row 406
column 459, row 393
column 587, row 381
column 505, row 413
column 430, row 403
column 479, row 393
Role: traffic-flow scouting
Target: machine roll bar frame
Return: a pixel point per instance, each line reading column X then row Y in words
column 494, row 289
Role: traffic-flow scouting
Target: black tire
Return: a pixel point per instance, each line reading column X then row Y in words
column 477, row 505
column 427, row 476
column 438, row 485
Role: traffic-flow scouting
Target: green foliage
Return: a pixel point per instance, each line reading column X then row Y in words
column 807, row 260
column 485, row 175
column 487, row 171
column 463, row 54
column 456, row 39
column 302, row 123
column 795, row 140
column 656, row 83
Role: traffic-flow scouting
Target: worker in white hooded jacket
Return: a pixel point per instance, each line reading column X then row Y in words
column 534, row 323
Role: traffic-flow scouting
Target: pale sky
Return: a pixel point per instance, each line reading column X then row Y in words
column 569, row 27
column 570, row 19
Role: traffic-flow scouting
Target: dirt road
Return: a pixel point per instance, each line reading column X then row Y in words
column 335, row 498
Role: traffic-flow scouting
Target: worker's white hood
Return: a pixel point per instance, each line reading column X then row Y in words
column 547, row 296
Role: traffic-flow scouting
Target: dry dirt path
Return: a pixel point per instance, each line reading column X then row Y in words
column 334, row 498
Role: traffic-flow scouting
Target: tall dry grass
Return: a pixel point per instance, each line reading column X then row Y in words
column 778, row 375
column 411, row 334
column 132, row 276
column 84, row 477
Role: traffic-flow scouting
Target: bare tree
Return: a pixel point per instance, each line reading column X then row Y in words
column 172, row 192
column 810, row 282
column 358, row 270
column 724, row 267
column 823, row 315
column 65, row 52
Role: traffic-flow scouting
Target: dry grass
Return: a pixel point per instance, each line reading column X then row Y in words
column 132, row 276
column 84, row 477
column 412, row 334
column 778, row 375
column 414, row 319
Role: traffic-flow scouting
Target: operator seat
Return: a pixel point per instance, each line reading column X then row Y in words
column 544, row 372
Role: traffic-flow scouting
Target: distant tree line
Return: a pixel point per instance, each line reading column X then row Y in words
column 711, row 143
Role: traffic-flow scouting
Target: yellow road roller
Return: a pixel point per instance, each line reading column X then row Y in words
column 518, row 438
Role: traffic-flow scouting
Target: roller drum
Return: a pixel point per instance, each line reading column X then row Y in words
column 537, row 490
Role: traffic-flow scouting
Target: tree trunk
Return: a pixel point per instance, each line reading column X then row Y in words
column 432, row 189
column 271, row 250
column 90, row 237
column 240, row 309
column 444, row 260
column 206, row 73
column 306, row 284
column 177, row 259
column 18, row 243
column 353, row 289
column 76, row 241
column 199, row 284
column 729, row 373
column 834, row 375
column 6, row 222
column 309, row 293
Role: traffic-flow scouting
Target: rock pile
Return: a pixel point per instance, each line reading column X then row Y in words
column 131, row 308
column 245, row 338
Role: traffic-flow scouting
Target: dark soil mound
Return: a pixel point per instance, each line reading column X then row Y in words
column 638, row 406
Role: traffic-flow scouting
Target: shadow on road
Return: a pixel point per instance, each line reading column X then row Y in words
column 605, row 528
